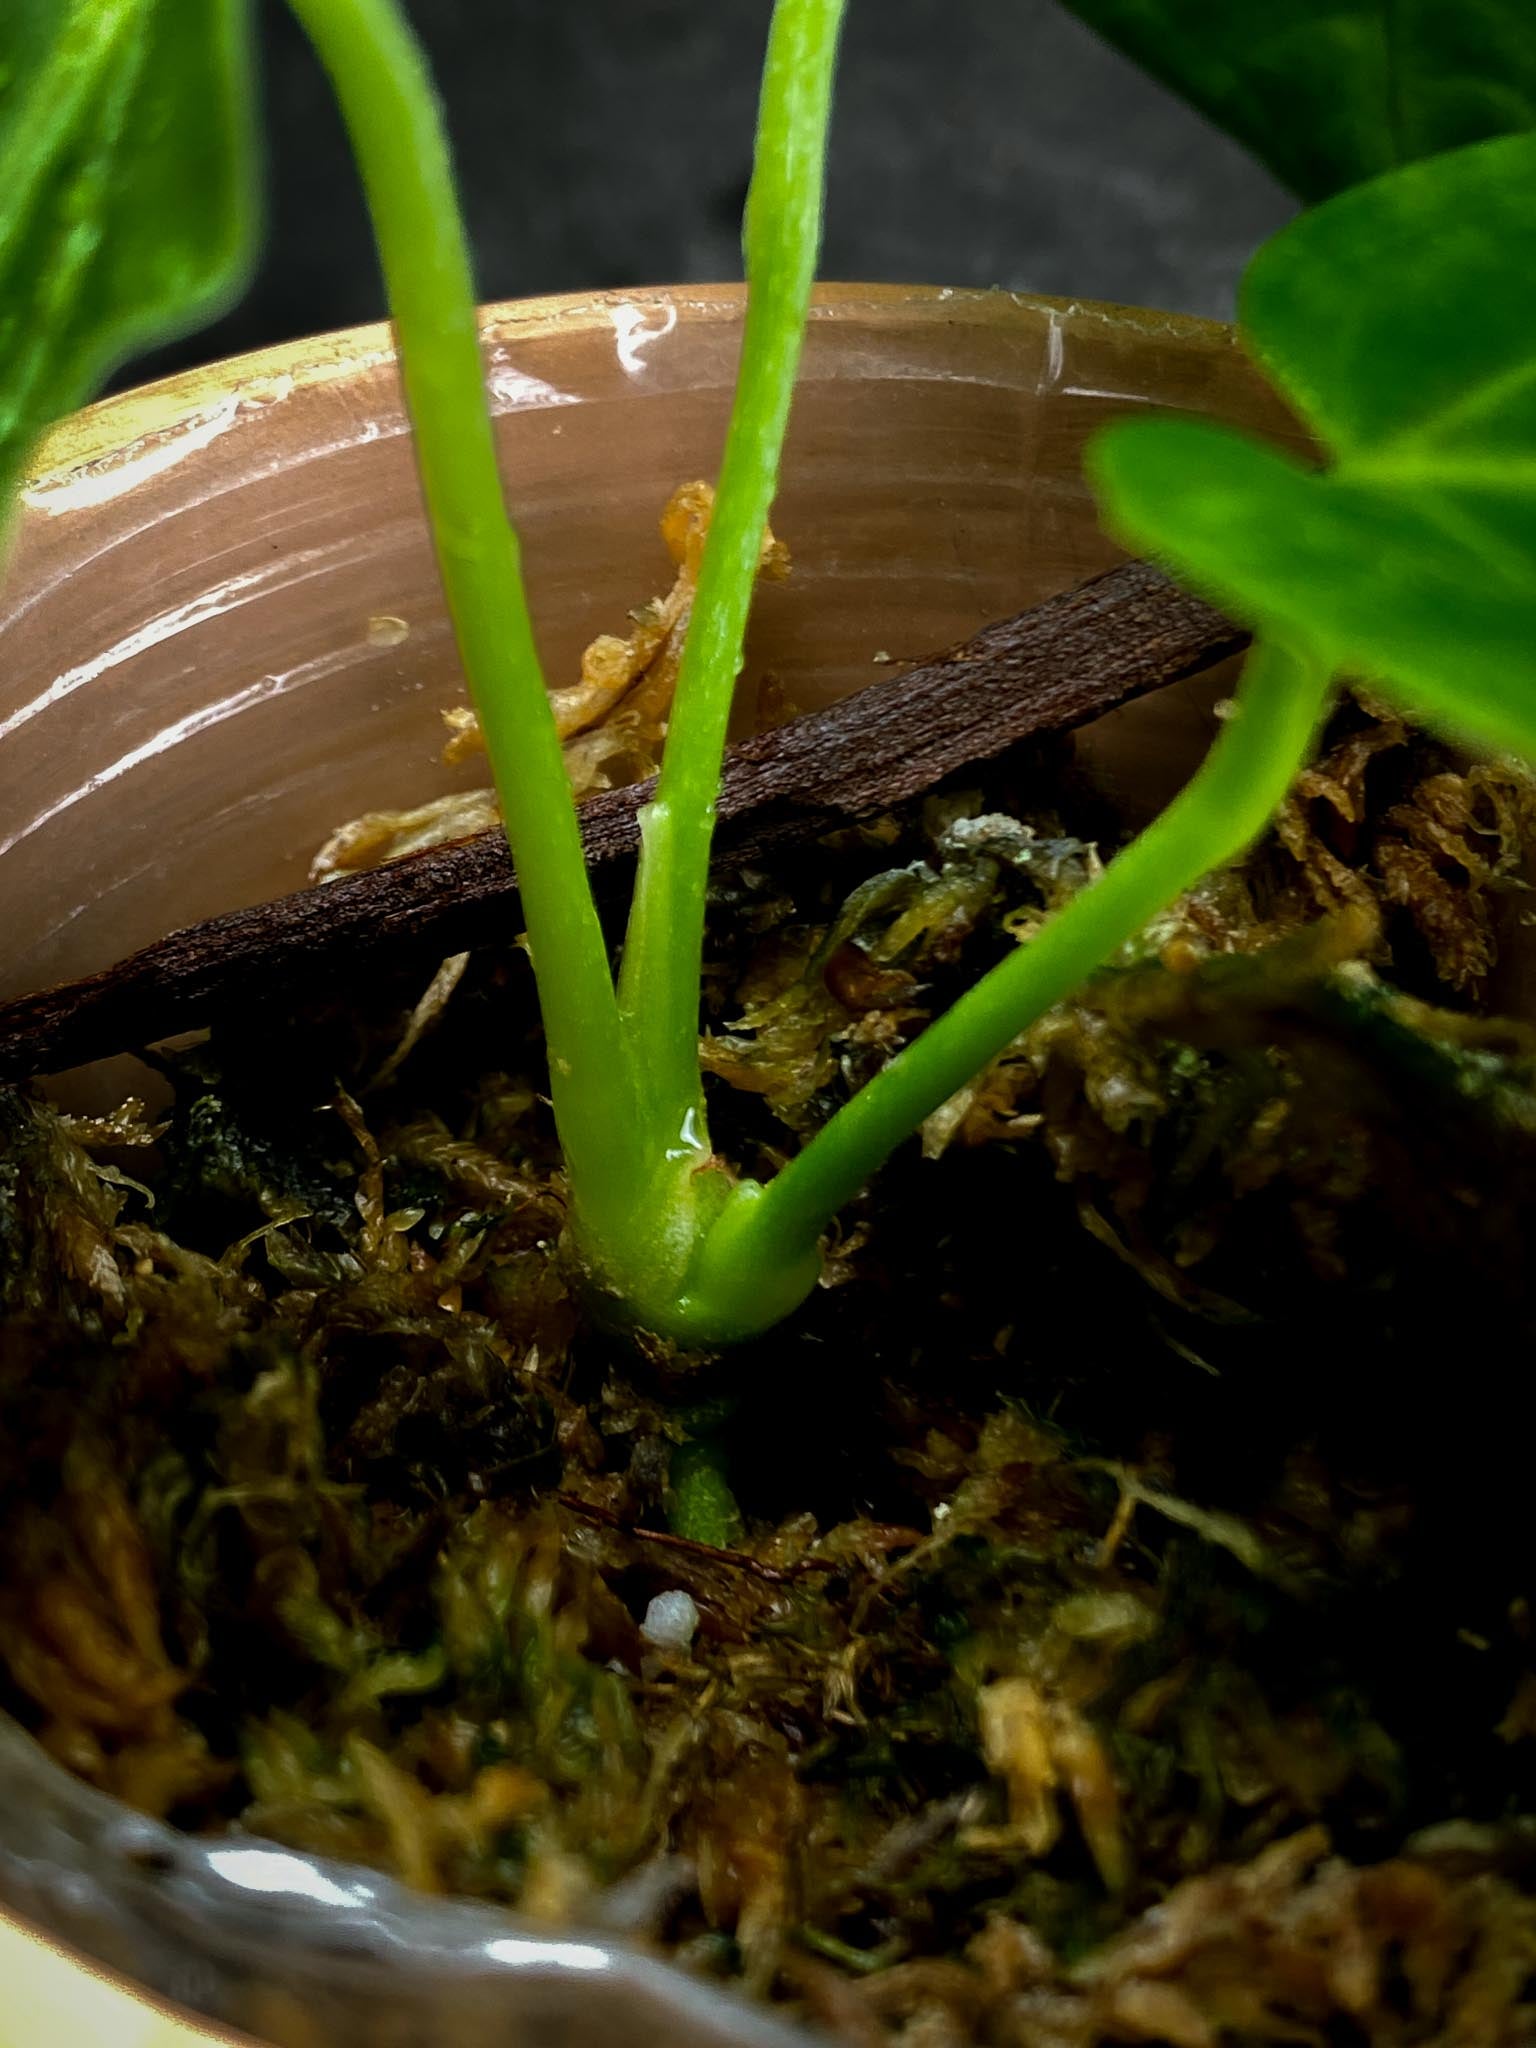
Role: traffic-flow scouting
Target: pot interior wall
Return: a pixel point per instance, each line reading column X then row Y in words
column 221, row 633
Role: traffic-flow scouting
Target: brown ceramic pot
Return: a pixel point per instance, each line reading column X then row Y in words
column 222, row 633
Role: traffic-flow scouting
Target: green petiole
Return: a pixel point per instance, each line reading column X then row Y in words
column 1219, row 813
column 393, row 119
column 659, row 985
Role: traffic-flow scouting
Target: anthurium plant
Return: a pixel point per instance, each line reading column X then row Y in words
column 1398, row 318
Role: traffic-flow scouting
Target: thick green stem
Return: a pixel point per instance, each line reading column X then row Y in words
column 391, row 112
column 1220, row 812
column 685, row 1250
column 659, row 986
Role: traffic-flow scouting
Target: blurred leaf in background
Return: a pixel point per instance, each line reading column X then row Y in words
column 1330, row 92
column 127, row 191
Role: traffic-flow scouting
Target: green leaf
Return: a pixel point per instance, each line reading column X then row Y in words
column 127, row 183
column 1400, row 321
column 1330, row 92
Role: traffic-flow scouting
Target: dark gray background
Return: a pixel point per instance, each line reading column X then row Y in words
column 607, row 143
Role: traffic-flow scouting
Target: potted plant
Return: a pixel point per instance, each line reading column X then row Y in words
column 1397, row 562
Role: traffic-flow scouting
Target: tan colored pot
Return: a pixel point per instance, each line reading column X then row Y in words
column 221, row 634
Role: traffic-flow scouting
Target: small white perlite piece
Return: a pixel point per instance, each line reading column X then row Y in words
column 670, row 1621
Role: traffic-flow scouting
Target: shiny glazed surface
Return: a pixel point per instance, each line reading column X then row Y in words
column 221, row 634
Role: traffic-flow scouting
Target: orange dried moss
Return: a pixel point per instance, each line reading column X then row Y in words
column 612, row 722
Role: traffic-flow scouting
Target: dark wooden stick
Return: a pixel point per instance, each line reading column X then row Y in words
column 1045, row 671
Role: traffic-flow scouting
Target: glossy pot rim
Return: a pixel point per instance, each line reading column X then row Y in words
column 126, row 427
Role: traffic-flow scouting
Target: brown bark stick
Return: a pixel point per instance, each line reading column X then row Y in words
column 1051, row 668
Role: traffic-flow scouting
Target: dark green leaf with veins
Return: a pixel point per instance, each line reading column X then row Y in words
column 126, row 190
column 1400, row 321
column 1330, row 92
